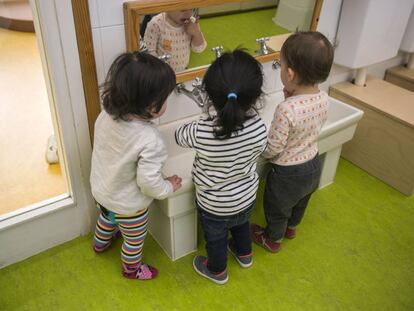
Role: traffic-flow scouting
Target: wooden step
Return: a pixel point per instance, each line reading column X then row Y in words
column 16, row 15
column 383, row 144
column 401, row 76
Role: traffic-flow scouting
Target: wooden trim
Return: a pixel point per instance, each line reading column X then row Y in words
column 131, row 29
column 87, row 61
column 268, row 57
column 146, row 6
column 16, row 24
column 316, row 14
column 191, row 74
column 200, row 72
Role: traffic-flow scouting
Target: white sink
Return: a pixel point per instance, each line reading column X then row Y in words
column 173, row 221
column 338, row 129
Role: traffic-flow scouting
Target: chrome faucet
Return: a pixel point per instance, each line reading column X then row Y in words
column 218, row 50
column 263, row 50
column 165, row 57
column 276, row 64
column 196, row 94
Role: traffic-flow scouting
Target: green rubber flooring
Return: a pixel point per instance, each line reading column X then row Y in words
column 354, row 251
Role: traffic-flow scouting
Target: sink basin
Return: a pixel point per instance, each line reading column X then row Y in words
column 339, row 128
column 173, row 221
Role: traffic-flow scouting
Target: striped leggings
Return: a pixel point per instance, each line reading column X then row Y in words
column 133, row 229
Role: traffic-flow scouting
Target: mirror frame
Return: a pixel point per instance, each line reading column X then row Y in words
column 133, row 10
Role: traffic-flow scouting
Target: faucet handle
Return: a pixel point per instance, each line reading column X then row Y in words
column 197, row 83
column 218, row 49
column 179, row 88
column 276, row 64
column 262, row 45
column 165, row 57
column 262, row 40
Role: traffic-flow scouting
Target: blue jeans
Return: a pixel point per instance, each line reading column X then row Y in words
column 287, row 193
column 216, row 229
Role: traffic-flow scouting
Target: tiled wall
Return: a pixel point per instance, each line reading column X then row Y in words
column 108, row 32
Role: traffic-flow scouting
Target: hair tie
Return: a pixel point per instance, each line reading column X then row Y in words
column 232, row 95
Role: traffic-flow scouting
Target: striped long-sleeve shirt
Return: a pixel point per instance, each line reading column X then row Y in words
column 224, row 170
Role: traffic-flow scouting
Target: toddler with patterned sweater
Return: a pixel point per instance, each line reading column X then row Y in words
column 175, row 33
column 306, row 60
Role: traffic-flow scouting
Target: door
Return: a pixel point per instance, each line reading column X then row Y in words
column 31, row 227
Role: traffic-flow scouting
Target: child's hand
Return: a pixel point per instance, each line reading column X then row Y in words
column 287, row 93
column 175, row 181
column 193, row 27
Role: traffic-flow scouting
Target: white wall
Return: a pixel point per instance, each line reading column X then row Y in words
column 108, row 32
column 109, row 41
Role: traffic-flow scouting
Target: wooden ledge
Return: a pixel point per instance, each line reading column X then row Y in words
column 382, row 96
column 16, row 24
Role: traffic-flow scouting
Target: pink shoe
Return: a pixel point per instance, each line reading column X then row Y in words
column 140, row 272
column 117, row 234
column 290, row 233
column 259, row 237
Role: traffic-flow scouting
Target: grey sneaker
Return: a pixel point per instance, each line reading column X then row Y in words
column 200, row 266
column 245, row 261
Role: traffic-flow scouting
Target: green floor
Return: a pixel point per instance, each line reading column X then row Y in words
column 235, row 30
column 354, row 251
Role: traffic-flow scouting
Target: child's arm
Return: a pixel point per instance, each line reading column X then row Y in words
column 151, row 37
column 198, row 43
column 278, row 133
column 149, row 176
column 185, row 135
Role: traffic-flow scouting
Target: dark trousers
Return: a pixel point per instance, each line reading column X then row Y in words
column 287, row 193
column 216, row 229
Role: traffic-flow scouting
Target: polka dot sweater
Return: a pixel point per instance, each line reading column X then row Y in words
column 297, row 122
column 163, row 38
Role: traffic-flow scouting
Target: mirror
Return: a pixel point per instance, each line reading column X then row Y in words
column 213, row 23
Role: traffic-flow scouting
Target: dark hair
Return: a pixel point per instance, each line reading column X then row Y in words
column 310, row 55
column 138, row 84
column 233, row 72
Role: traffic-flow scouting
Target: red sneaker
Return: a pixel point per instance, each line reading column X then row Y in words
column 259, row 237
column 290, row 233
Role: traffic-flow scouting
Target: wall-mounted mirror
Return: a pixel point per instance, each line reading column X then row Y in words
column 185, row 32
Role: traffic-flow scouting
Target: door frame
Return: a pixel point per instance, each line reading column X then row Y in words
column 33, row 230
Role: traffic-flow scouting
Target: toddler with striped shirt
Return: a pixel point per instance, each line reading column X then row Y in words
column 228, row 143
column 306, row 60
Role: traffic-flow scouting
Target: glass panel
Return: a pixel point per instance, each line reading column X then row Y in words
column 31, row 169
column 258, row 26
column 236, row 30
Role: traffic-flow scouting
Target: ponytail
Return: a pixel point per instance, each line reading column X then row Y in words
column 230, row 118
column 233, row 84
